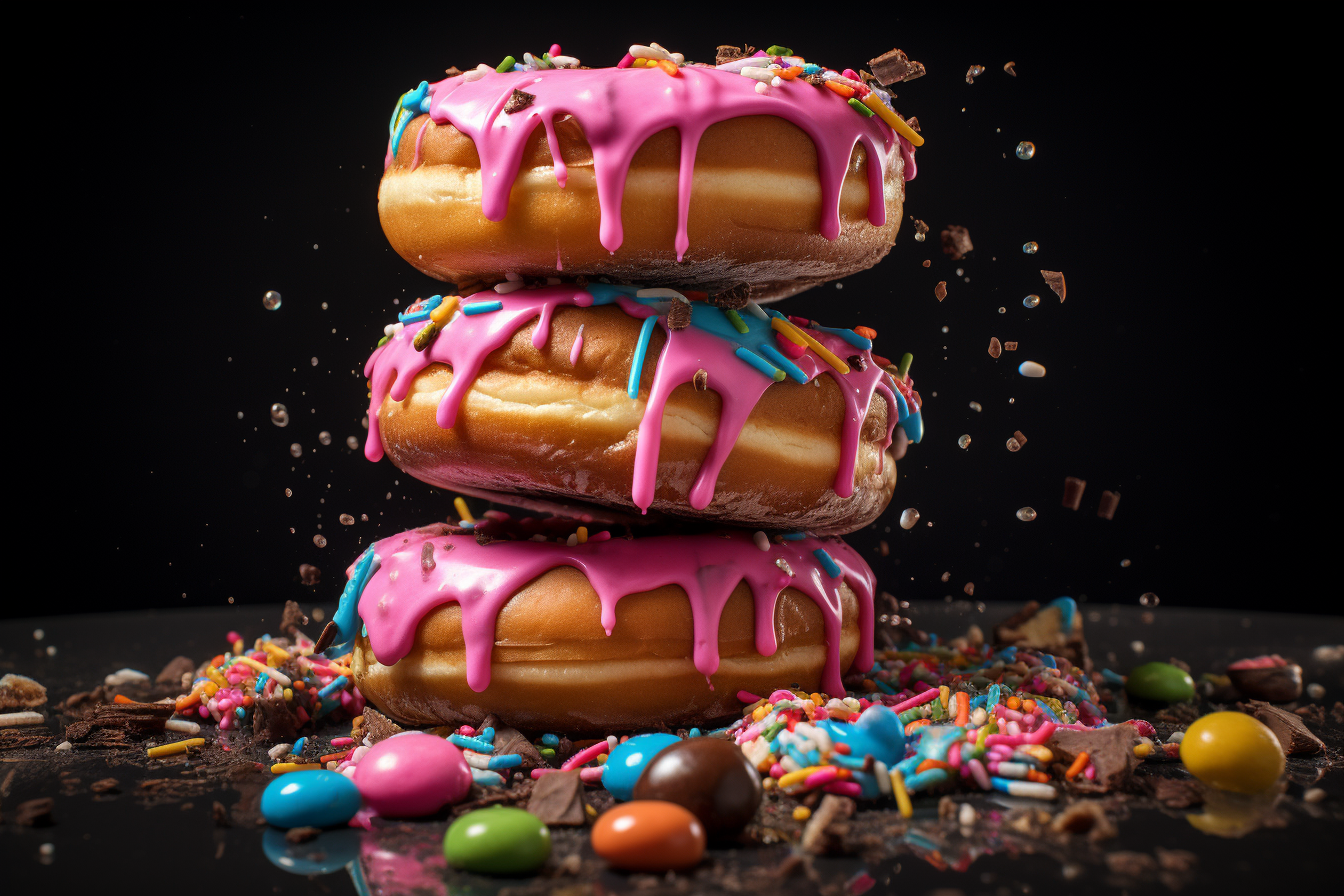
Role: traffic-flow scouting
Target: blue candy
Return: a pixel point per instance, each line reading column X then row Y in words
column 317, row 798
column 877, row 733
column 627, row 761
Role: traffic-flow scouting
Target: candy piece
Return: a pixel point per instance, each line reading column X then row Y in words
column 319, row 799
column 1291, row 732
column 877, row 733
column 1232, row 751
column 710, row 777
column 627, row 762
column 1161, row 682
column 410, row 775
column 649, row 835
column 1269, row 678
column 498, row 840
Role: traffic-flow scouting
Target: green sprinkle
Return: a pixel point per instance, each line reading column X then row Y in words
column 507, row 65
column 383, row 341
column 736, row 320
column 425, row 336
column 547, row 752
column 777, row 50
column 779, row 375
column 904, row 367
column 774, row 730
column 860, row 108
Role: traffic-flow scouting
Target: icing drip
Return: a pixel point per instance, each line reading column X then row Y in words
column 619, row 109
column 398, row 593
column 710, row 343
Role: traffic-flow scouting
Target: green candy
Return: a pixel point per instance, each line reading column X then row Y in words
column 777, row 50
column 507, row 65
column 1161, row 682
column 498, row 840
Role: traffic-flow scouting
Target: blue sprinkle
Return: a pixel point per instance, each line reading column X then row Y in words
column 482, row 307
column 995, row 693
column 849, row 336
column 694, row 732
column 471, row 743
column 850, row 762
column 261, row 682
column 336, row 686
column 299, row 744
column 413, row 98
column 928, row 778
column 419, row 310
column 550, row 740
column 793, row 536
column 641, row 348
column 493, row 779
column 831, row 569
column 1048, row 660
column 1112, row 677
column 758, row 364
column 811, row 68
column 796, row 755
column 1068, row 609
column 507, row 760
column 487, row 735
column 793, row 370
column 933, row 639
column 240, row 712
column 883, row 686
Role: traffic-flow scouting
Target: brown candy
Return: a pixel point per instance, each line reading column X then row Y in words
column 956, row 241
column 1073, row 491
column 1277, row 684
column 710, row 777
column 1109, row 501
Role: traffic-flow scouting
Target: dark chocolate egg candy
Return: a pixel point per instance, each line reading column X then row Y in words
column 708, row 776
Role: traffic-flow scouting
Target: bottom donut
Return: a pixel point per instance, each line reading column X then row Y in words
column 556, row 628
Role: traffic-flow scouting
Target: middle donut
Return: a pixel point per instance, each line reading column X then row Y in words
column 641, row 400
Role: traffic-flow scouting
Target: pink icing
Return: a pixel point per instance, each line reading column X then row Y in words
column 707, row 566
column 468, row 339
column 620, row 108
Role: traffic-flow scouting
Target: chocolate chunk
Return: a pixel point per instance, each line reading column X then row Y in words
column 1073, row 491
column 828, row 824
column 733, row 298
column 926, row 262
column 1010, row 346
column 920, row 226
column 292, row 617
column 113, row 724
column 329, row 633
column 1289, row 728
column 1313, row 712
column 511, row 740
column 309, row 574
column 940, row 291
column 557, row 798
column 19, row 692
column 273, row 720
column 105, row 785
column 701, row 380
column 175, row 670
column 678, row 315
column 1055, row 280
column 894, row 66
column 1174, row 793
column 913, row 122
column 1111, row 750
column 35, row 813
column 518, row 101
column 378, row 727
column 1277, row 683
column 427, row 562
column 727, row 53
column 956, row 241
column 1021, row 439
column 23, row 738
column 452, row 71
column 1043, row 628
column 1109, row 501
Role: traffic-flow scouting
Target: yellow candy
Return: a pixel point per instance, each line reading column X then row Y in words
column 1232, row 751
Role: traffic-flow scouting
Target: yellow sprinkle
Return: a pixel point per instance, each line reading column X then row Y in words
column 601, row 758
column 583, row 534
column 1143, row 750
column 238, row 646
column 895, row 121
column 768, row 783
column 902, row 798
column 802, row 813
column 276, row 652
column 209, row 688
column 289, row 695
column 799, row 776
column 798, row 337
column 592, row 813
column 462, row 511
column 281, row 767
column 1037, row 751
column 214, row 675
column 445, row 310
column 944, row 692
column 173, row 749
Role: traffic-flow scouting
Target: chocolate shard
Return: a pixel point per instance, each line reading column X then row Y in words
column 293, row 616
column 1111, row 751
column 135, row 720
column 829, row 823
column 273, row 720
column 1292, row 732
column 727, row 53
column 175, row 670
column 1073, row 491
column 701, row 380
column 1008, row 67
column 956, row 241
column 894, row 66
column 378, row 727
column 995, row 348
column 1055, row 280
column 511, row 740
column 678, row 315
column 920, row 226
column 518, row 101
column 913, row 121
column 940, row 290
column 557, row 799
column 19, row 692
column 1045, row 629
column 309, row 574
column 734, row 297
column 327, row 638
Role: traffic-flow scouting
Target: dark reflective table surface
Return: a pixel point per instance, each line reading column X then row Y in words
column 159, row 827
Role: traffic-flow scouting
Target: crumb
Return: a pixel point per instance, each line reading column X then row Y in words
column 940, row 291
column 956, row 241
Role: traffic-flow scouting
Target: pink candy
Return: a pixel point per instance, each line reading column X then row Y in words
column 411, row 775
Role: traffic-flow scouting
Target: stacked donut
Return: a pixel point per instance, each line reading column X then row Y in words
column 682, row 457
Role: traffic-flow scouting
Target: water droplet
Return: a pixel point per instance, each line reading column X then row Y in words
column 919, row 237
column 347, row 520
column 975, row 406
column 271, row 301
column 944, row 330
column 1014, row 444
column 1002, row 309
column 1026, row 514
column 313, row 361
column 909, row 517
column 324, row 437
column 296, row 449
column 964, row 442
column 1030, row 248
column 1124, row 563
column 320, row 540
column 279, row 415
column 1149, row 599
column 883, row 618
column 289, row 493
column 1025, row 150
column 969, row 588
column 1031, row 369
column 1031, row 301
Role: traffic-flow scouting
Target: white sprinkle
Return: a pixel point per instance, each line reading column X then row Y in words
column 654, row 52
column 64, row 747
column 279, row 750
column 476, row 760
column 762, row 541
column 764, row 88
column 757, row 311
column 764, row 75
column 16, row 719
column 565, row 61
column 736, row 65
column 1314, row 795
column 125, row 676
column 659, row 293
column 509, row 286
column 182, row 726
column 966, row 815
column 1031, row 369
column 572, row 540
column 1176, row 737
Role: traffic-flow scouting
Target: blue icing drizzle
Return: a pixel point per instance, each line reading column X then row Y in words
column 419, row 311
column 854, row 339
column 1068, row 609
column 409, row 103
column 912, row 424
column 347, row 612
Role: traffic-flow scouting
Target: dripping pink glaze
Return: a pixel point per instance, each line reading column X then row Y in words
column 577, row 347
column 419, row 142
column 482, row 579
column 467, row 340
column 619, row 109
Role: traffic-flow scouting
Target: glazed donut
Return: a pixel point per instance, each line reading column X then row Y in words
column 689, row 176
column 520, row 619
column 589, row 395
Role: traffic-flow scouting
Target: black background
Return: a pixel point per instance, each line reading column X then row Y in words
column 205, row 161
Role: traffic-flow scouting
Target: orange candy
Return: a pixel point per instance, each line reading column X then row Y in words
column 649, row 835
column 866, row 332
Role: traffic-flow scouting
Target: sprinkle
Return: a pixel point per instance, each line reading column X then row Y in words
column 278, row 750
column 827, row 563
column 902, row 797
column 776, row 50
column 904, row 367
column 736, row 320
column 762, row 540
column 299, row 745
column 425, row 337
column 471, row 743
column 173, row 749
column 1032, row 789
column 181, row 726
column 799, row 337
column 16, row 719
column 894, row 121
column 462, row 511
column 637, row 362
column 582, row 534
column 777, row 357
column 759, row 364
column 482, row 307
column 280, row 678
column 583, row 756
column 507, row 65
column 1078, row 765
column 756, row 311
column 281, row 768
column 444, row 310
column 336, row 685
column 802, row 813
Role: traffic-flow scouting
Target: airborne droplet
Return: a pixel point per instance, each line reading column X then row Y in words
column 1149, row 599
column 1031, row 301
column 909, row 517
column 271, row 301
column 1025, row 150
column 1030, row 248
column 320, row 540
column 1026, row 514
column 296, row 449
column 324, row 437
column 279, row 415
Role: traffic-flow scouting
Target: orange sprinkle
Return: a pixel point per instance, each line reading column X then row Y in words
column 1013, row 703
column 790, row 73
column 1038, row 777
column 1028, row 705
column 247, row 700
column 670, row 67
column 336, row 756
column 217, row 661
column 917, row 723
column 841, row 89
column 1078, row 765
column 868, row 685
column 866, row 332
column 931, row 763
column 121, row 698
column 963, row 708
column 184, row 703
column 300, row 685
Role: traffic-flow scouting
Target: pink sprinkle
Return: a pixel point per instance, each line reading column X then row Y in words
column 777, row 771
column 467, row 731
column 555, row 50
column 604, row 535
column 585, row 755
column 1090, row 772
column 342, row 741
column 233, row 637
column 1004, row 712
column 749, row 734
column 824, row 776
column 918, row 700
column 954, row 755
column 205, row 713
column 844, row 788
column 591, row 775
column 577, row 347
column 626, row 61
column 795, row 351
column 748, row 697
column 759, row 53
column 978, row 773
column 851, row 74
column 781, row 695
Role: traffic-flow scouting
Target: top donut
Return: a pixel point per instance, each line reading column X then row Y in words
column 766, row 170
